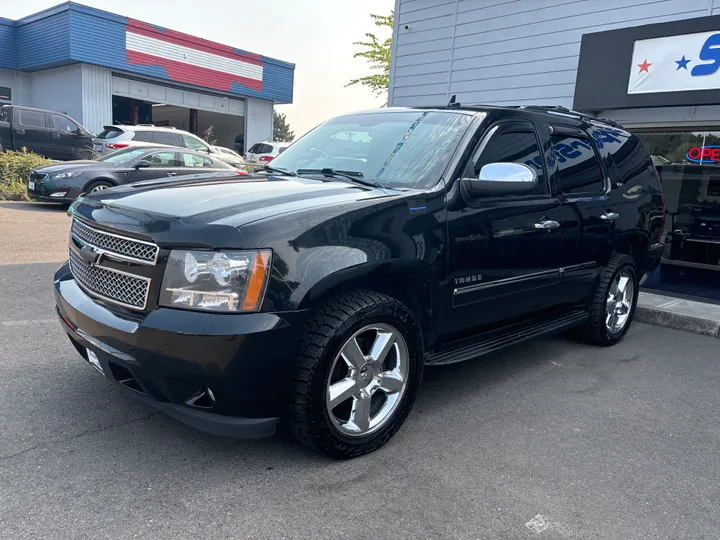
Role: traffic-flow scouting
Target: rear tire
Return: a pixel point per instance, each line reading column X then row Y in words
column 346, row 405
column 613, row 305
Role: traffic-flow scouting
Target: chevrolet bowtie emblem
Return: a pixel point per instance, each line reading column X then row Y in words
column 89, row 255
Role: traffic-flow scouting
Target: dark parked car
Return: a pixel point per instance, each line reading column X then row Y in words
column 64, row 182
column 316, row 290
column 50, row 134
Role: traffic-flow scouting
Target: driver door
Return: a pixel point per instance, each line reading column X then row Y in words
column 504, row 250
column 163, row 163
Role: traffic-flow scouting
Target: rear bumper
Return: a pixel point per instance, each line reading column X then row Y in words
column 241, row 364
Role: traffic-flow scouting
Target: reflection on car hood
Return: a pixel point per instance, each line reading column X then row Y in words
column 235, row 200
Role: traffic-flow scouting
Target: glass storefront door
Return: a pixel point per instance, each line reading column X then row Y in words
column 688, row 164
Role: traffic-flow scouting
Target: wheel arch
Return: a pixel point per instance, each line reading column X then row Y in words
column 415, row 285
column 635, row 245
column 89, row 183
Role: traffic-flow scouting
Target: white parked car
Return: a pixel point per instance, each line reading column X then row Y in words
column 264, row 152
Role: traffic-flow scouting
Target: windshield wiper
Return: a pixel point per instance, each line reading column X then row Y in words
column 283, row 172
column 354, row 176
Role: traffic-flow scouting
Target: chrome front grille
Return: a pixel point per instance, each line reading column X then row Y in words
column 119, row 287
column 125, row 248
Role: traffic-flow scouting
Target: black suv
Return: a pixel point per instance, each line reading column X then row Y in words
column 316, row 290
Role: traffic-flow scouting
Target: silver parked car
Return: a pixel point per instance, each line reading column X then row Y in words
column 117, row 137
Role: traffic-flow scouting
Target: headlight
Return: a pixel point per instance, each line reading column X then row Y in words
column 63, row 175
column 229, row 281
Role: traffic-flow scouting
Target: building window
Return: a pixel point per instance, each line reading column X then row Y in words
column 5, row 94
column 688, row 164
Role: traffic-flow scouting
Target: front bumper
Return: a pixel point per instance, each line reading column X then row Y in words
column 169, row 357
column 44, row 194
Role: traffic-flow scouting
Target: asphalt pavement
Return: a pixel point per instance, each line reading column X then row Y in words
column 555, row 439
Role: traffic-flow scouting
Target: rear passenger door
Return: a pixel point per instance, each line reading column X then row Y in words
column 163, row 163
column 32, row 132
column 583, row 188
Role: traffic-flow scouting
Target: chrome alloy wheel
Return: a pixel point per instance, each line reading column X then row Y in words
column 367, row 380
column 619, row 302
column 101, row 187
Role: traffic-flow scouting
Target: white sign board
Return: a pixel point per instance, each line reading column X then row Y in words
column 676, row 64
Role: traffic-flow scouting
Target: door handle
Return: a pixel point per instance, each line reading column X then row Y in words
column 547, row 224
column 610, row 216
column 172, row 174
column 21, row 131
column 56, row 135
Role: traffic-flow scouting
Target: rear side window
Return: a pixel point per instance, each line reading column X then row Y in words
column 260, row 148
column 193, row 160
column 143, row 136
column 32, row 118
column 162, row 137
column 109, row 133
column 509, row 147
column 578, row 167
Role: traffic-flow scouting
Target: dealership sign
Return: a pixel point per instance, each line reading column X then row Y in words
column 676, row 64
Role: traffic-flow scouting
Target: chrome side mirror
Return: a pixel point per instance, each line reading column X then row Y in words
column 497, row 179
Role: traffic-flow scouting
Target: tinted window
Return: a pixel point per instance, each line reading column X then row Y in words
column 578, row 168
column 162, row 137
column 143, row 136
column 194, row 144
column 255, row 148
column 32, row 118
column 282, row 149
column 193, row 160
column 162, row 159
column 64, row 124
column 510, row 147
column 4, row 114
column 110, row 133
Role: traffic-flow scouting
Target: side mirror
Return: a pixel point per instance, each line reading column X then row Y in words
column 79, row 132
column 142, row 164
column 497, row 179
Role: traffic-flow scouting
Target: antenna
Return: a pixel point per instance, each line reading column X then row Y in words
column 453, row 104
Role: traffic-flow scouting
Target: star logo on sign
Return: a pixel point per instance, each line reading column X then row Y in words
column 682, row 63
column 644, row 66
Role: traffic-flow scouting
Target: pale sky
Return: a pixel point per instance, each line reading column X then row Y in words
column 315, row 35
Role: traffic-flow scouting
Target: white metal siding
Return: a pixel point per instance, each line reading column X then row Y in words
column 96, row 97
column 58, row 89
column 508, row 52
column 258, row 121
column 19, row 84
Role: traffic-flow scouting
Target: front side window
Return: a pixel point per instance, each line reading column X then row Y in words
column 194, row 144
column 161, row 159
column 64, row 124
column 578, row 167
column 163, row 137
column 404, row 149
column 32, row 118
column 509, row 147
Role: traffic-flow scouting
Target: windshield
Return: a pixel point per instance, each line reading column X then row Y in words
column 123, row 156
column 402, row 149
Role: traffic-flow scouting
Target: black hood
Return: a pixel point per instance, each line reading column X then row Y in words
column 232, row 201
column 78, row 165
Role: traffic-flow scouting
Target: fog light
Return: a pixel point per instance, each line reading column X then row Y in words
column 59, row 194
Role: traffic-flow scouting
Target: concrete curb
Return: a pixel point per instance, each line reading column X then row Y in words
column 696, row 317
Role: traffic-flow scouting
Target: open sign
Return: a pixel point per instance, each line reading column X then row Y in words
column 706, row 154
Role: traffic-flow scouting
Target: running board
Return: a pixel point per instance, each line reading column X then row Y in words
column 507, row 336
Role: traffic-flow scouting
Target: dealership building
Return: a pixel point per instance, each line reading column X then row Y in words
column 101, row 69
column 651, row 65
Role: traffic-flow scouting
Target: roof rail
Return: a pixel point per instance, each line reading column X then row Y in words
column 565, row 110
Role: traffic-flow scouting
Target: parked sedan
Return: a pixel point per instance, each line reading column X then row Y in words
column 64, row 182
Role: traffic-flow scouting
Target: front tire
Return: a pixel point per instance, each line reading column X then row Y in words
column 359, row 370
column 613, row 305
column 98, row 185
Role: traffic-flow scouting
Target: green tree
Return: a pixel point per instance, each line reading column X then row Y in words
column 281, row 129
column 377, row 53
